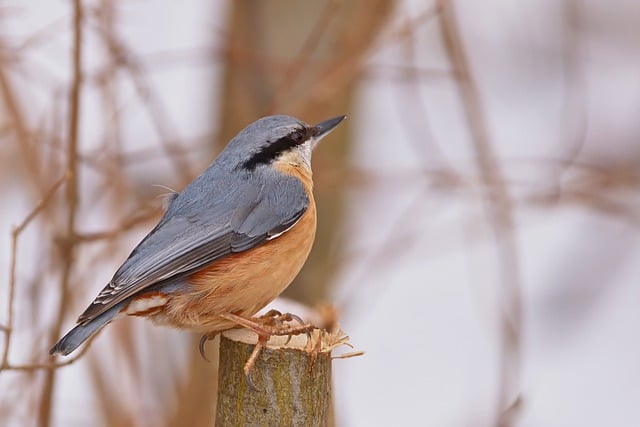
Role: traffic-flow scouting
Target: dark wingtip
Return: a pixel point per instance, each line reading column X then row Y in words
column 63, row 347
column 54, row 350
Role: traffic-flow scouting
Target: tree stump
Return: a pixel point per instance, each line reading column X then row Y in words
column 293, row 380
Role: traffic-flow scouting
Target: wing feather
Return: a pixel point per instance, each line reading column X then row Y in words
column 193, row 234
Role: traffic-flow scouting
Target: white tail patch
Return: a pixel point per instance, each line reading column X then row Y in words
column 144, row 304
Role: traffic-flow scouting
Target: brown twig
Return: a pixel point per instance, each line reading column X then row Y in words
column 15, row 234
column 409, row 74
column 390, row 244
column 346, row 67
column 72, row 199
column 574, row 114
column 160, row 119
column 310, row 45
column 499, row 208
column 416, row 118
column 51, row 365
column 108, row 234
column 343, row 69
column 17, row 116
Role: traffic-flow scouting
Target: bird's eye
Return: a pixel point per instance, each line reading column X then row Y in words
column 297, row 136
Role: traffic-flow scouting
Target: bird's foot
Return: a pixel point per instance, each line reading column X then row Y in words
column 272, row 323
column 278, row 324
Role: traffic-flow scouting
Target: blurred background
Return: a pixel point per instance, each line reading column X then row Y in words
column 478, row 210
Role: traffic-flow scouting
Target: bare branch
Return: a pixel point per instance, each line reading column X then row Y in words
column 499, row 208
column 15, row 234
column 72, row 198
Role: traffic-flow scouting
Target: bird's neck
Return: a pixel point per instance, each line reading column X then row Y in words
column 293, row 164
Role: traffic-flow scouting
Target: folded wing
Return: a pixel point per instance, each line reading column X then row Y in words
column 199, row 229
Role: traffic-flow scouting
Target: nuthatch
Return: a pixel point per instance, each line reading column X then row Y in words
column 230, row 243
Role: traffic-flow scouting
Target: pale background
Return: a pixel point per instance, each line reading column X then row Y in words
column 427, row 250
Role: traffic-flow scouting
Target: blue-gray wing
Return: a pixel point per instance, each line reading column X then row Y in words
column 200, row 228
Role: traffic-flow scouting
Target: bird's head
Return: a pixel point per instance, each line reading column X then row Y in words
column 276, row 139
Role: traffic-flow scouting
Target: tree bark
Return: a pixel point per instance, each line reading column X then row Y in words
column 293, row 382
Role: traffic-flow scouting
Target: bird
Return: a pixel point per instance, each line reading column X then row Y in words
column 227, row 245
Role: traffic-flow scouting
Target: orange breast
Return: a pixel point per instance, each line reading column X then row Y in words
column 244, row 283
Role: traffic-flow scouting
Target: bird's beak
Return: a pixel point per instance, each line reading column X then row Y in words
column 324, row 128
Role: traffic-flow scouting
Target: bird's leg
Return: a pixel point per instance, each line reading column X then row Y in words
column 251, row 361
column 270, row 314
column 273, row 323
column 274, row 318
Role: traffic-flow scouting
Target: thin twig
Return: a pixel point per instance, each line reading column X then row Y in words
column 574, row 109
column 416, row 118
column 108, row 234
column 499, row 208
column 154, row 106
column 310, row 45
column 15, row 234
column 72, row 199
column 347, row 67
column 52, row 365
column 17, row 116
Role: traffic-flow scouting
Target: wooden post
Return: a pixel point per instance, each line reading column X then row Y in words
column 293, row 380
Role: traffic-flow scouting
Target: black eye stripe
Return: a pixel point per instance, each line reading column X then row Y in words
column 271, row 151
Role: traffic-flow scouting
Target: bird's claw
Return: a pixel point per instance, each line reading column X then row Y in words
column 201, row 346
column 272, row 323
column 250, row 382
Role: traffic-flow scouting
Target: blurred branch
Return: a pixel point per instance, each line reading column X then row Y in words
column 15, row 234
column 574, row 115
column 52, row 365
column 416, row 118
column 43, row 35
column 160, row 119
column 393, row 245
column 409, row 27
column 499, row 208
column 109, row 234
column 301, row 60
column 20, row 127
column 406, row 73
column 72, row 199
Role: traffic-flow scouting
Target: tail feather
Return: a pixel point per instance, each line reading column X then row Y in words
column 82, row 332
